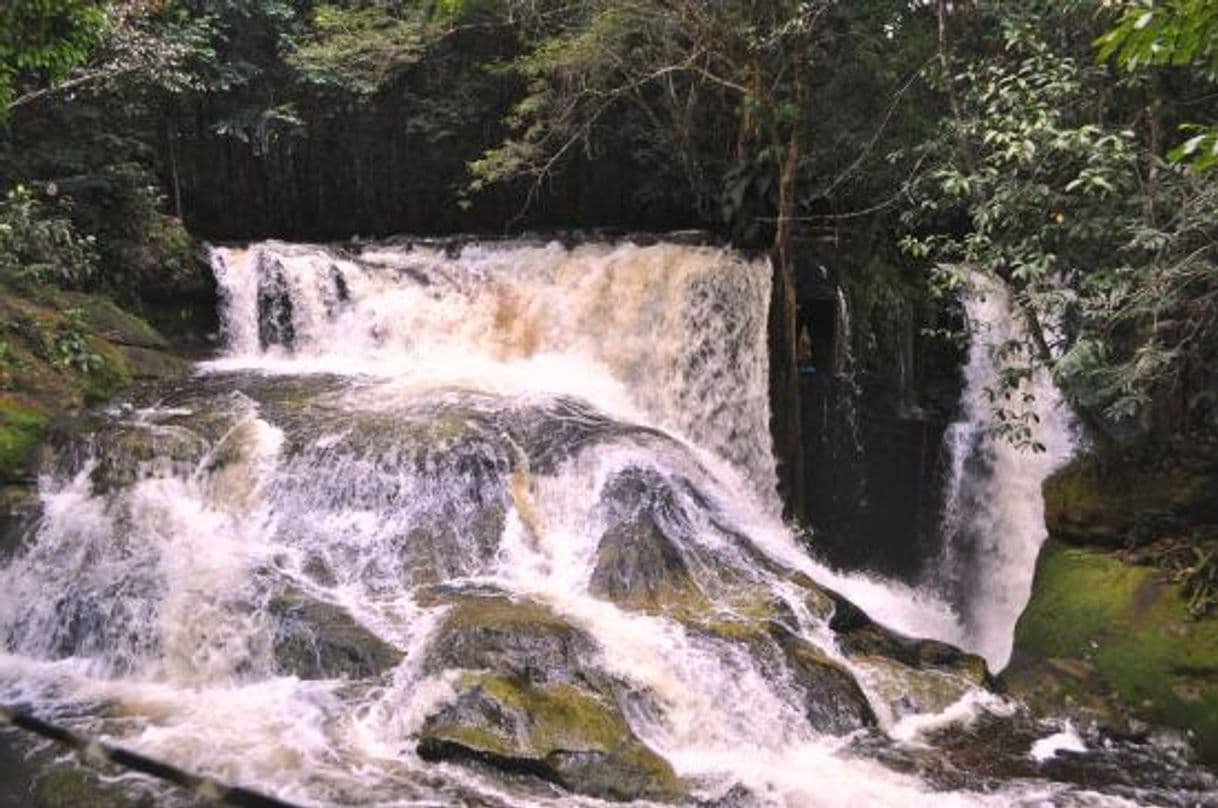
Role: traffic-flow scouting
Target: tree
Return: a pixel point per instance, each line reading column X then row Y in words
column 1175, row 33
column 42, row 42
column 1047, row 180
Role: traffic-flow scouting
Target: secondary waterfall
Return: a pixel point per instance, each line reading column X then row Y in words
column 994, row 520
column 491, row 525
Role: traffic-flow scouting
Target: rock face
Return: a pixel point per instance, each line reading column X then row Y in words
column 319, row 640
column 637, row 565
column 1113, row 643
column 1128, row 500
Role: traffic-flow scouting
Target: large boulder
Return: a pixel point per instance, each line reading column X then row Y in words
column 314, row 639
column 560, row 732
column 522, row 639
column 1114, row 644
column 535, row 702
column 639, row 567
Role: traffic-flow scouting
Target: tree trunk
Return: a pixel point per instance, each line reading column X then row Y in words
column 174, row 177
column 784, row 333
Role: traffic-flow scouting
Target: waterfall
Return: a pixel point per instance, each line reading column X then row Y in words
column 993, row 518
column 668, row 335
column 508, row 506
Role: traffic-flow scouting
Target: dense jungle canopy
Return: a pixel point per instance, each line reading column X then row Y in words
column 1065, row 147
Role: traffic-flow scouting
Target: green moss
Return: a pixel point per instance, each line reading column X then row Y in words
column 110, row 377
column 1114, row 636
column 563, row 716
column 561, row 732
column 107, row 320
column 21, row 429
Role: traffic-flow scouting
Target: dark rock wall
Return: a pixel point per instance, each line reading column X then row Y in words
column 874, row 397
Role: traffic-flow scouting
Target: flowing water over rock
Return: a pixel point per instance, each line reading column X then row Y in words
column 496, row 526
column 994, row 519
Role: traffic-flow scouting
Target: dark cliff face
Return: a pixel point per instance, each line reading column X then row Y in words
column 874, row 399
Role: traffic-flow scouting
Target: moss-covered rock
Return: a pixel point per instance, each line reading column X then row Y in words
column 1125, row 500
column 126, row 452
column 638, row 567
column 22, row 426
column 522, row 639
column 109, row 322
column 19, row 507
column 319, row 640
column 1114, row 643
column 145, row 363
column 860, row 637
column 59, row 352
column 559, row 732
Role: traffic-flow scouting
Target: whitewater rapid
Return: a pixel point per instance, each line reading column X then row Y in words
column 394, row 428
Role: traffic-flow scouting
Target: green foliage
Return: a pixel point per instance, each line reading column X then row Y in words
column 1108, row 254
column 1046, row 193
column 359, row 49
column 1176, row 33
column 1172, row 33
column 43, row 41
column 72, row 348
column 41, row 245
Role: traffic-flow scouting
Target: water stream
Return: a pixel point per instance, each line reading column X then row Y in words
column 423, row 487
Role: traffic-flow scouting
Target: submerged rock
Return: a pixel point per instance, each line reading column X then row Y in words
column 319, row 640
column 71, row 786
column 453, row 545
column 559, row 732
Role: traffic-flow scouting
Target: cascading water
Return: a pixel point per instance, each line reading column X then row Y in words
column 994, row 520
column 435, row 522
